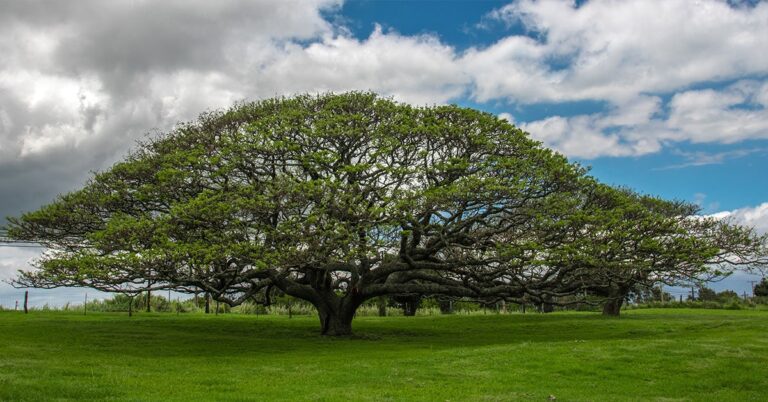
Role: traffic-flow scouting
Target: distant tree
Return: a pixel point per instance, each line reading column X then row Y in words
column 727, row 295
column 647, row 294
column 707, row 294
column 761, row 289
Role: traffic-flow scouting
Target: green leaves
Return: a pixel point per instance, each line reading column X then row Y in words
column 359, row 196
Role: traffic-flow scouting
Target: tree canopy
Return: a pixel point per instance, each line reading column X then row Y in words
column 340, row 198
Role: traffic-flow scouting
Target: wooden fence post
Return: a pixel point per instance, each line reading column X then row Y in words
column 26, row 300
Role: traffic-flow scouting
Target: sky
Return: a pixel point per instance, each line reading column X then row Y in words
column 668, row 97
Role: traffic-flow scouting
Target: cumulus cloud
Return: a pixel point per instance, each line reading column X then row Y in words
column 628, row 53
column 643, row 124
column 735, row 113
column 616, row 50
column 755, row 217
column 416, row 69
column 15, row 258
column 611, row 133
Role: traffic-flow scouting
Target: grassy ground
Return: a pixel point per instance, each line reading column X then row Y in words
column 645, row 355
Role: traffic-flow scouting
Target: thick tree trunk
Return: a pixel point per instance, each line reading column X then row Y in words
column 207, row 303
column 616, row 296
column 335, row 324
column 335, row 317
column 612, row 307
column 334, row 311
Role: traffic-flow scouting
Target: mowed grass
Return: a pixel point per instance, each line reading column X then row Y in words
column 665, row 355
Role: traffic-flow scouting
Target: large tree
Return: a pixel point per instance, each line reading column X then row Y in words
column 333, row 199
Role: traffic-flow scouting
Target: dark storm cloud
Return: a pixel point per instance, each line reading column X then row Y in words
column 128, row 41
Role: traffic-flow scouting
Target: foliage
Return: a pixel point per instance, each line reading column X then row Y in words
column 761, row 288
column 621, row 244
column 339, row 199
column 727, row 304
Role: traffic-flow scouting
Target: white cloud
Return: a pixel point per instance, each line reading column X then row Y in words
column 716, row 116
column 416, row 69
column 66, row 75
column 617, row 50
column 620, row 52
column 13, row 259
column 632, row 128
column 617, row 132
column 508, row 117
column 755, row 217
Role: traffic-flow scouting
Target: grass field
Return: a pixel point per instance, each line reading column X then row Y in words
column 713, row 355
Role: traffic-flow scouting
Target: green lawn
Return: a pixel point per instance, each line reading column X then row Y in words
column 665, row 355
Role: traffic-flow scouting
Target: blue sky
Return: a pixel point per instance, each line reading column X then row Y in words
column 668, row 97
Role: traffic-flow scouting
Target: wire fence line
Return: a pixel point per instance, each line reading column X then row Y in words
column 16, row 301
column 11, row 299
